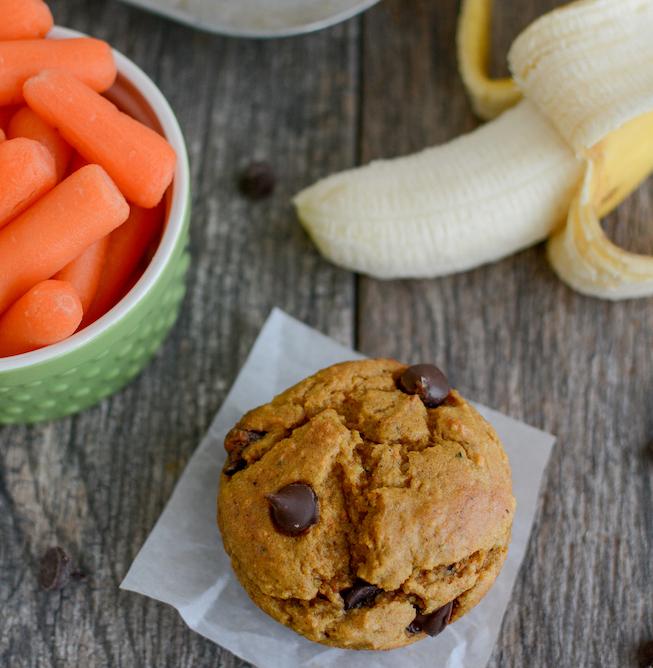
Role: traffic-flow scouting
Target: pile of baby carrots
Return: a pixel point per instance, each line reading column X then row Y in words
column 81, row 183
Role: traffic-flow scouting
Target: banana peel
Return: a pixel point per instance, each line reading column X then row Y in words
column 489, row 97
column 605, row 114
column 551, row 166
column 581, row 253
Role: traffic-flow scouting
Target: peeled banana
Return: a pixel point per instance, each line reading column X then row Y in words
column 449, row 208
column 574, row 148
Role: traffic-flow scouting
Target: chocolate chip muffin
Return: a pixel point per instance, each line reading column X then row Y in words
column 367, row 506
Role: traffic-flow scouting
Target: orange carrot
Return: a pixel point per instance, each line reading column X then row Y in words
column 131, row 282
column 24, row 19
column 2, row 135
column 6, row 114
column 76, row 162
column 140, row 161
column 82, row 209
column 47, row 313
column 25, row 123
column 84, row 272
column 90, row 60
column 27, row 172
column 127, row 245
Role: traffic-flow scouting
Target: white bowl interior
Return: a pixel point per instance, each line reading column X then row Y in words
column 133, row 76
column 257, row 18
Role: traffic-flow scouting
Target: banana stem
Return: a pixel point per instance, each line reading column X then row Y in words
column 489, row 97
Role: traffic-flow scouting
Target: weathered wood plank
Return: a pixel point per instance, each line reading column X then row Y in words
column 97, row 483
column 512, row 336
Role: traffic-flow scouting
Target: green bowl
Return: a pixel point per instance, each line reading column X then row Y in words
column 99, row 360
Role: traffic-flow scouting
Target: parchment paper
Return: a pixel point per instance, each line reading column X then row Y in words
column 183, row 563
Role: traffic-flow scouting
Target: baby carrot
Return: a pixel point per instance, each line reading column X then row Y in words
column 90, row 60
column 27, row 172
column 140, row 161
column 25, row 123
column 82, row 209
column 84, row 272
column 6, row 114
column 127, row 245
column 47, row 313
column 24, row 19
column 76, row 162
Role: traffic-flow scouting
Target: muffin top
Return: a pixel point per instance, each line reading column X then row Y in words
column 366, row 506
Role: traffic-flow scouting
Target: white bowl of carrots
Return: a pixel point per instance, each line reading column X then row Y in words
column 94, row 208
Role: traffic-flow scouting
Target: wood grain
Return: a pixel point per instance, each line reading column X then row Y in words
column 96, row 483
column 513, row 337
column 510, row 335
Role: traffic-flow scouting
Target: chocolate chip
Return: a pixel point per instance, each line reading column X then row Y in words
column 360, row 593
column 232, row 467
column 427, row 382
column 56, row 569
column 433, row 623
column 257, row 180
column 294, row 508
column 236, row 442
column 645, row 655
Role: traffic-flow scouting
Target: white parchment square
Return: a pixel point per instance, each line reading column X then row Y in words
column 183, row 563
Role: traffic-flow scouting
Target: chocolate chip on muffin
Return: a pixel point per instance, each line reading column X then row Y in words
column 294, row 508
column 427, row 382
column 360, row 593
column 433, row 623
column 236, row 442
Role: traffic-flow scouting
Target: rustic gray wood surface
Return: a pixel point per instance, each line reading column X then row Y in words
column 510, row 335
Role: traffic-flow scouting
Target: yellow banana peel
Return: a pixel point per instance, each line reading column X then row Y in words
column 489, row 97
column 615, row 165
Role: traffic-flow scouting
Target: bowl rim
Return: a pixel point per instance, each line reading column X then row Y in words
column 186, row 17
column 175, row 223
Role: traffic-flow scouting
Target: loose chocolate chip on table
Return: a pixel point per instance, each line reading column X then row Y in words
column 427, row 382
column 56, row 569
column 432, row 624
column 236, row 442
column 360, row 593
column 257, row 180
column 645, row 655
column 294, row 508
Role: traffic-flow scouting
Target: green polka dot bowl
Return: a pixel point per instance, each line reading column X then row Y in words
column 99, row 360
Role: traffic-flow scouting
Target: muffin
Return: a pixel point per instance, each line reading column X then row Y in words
column 366, row 507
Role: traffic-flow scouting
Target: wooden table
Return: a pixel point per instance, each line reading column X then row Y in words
column 510, row 335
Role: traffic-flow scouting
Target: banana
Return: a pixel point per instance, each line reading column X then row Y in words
column 588, row 67
column 474, row 200
column 572, row 150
